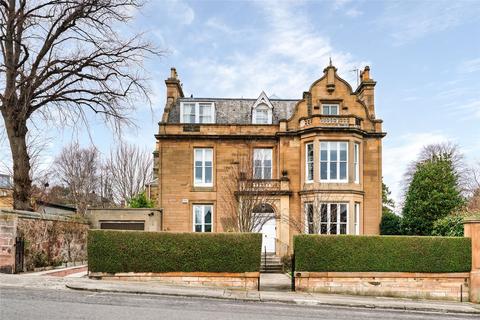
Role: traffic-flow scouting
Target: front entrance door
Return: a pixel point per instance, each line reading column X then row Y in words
column 269, row 235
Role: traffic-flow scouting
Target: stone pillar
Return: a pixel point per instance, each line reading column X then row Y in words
column 472, row 230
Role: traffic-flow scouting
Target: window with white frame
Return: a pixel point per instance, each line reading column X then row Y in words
column 356, row 164
column 261, row 114
column 197, row 112
column 202, row 217
column 309, row 160
column 309, row 218
column 330, row 109
column 357, row 218
column 262, row 163
column 203, row 167
column 334, row 218
column 5, row 181
column 334, row 161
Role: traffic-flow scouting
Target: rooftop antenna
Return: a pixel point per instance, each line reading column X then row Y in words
column 356, row 70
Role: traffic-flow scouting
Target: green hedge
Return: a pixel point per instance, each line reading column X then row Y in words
column 344, row 253
column 134, row 251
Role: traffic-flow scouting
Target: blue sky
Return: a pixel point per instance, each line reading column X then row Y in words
column 425, row 57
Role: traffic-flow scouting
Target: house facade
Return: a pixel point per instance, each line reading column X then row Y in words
column 6, row 191
column 317, row 161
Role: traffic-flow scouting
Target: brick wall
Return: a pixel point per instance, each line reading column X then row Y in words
column 442, row 286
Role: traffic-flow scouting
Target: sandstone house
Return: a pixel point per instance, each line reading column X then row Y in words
column 317, row 160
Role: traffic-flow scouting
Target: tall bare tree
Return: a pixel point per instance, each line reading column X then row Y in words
column 61, row 60
column 245, row 200
column 129, row 170
column 78, row 170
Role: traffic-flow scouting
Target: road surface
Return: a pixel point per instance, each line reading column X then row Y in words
column 39, row 304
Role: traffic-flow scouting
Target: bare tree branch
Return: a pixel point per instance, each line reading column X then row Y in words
column 62, row 59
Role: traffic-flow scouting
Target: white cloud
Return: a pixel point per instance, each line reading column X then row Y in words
column 353, row 13
column 180, row 11
column 419, row 19
column 470, row 66
column 398, row 153
column 285, row 60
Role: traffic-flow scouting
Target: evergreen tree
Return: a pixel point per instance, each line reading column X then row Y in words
column 391, row 223
column 433, row 193
column 140, row 201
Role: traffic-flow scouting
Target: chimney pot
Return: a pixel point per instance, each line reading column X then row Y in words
column 173, row 73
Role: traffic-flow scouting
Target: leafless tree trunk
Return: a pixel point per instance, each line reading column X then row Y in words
column 130, row 169
column 77, row 168
column 245, row 200
column 61, row 59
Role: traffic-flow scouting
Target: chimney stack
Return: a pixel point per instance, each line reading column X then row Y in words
column 366, row 91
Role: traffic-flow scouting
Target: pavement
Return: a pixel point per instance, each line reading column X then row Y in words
column 265, row 295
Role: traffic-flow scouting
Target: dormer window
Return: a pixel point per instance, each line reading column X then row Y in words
column 262, row 110
column 330, row 109
column 197, row 112
column 261, row 114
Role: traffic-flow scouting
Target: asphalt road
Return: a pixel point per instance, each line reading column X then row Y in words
column 38, row 304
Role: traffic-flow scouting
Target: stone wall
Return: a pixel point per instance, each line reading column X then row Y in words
column 247, row 280
column 442, row 286
column 52, row 242
column 49, row 240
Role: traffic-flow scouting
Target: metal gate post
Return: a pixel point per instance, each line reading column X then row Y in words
column 293, row 272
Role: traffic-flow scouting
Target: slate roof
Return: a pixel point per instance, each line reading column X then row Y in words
column 237, row 111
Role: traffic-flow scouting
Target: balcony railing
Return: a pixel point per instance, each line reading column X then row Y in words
column 249, row 186
column 331, row 121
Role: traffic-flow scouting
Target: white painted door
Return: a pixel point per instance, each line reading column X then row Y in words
column 269, row 234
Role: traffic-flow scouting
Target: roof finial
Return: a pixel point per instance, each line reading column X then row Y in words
column 330, row 61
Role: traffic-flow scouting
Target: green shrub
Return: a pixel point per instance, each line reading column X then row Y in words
column 141, row 201
column 344, row 253
column 449, row 226
column 134, row 251
column 391, row 224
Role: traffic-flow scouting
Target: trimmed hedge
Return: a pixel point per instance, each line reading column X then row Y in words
column 345, row 253
column 135, row 251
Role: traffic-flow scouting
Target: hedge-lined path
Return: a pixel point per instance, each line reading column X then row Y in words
column 298, row 298
column 275, row 282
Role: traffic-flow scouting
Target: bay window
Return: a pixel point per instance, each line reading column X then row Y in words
column 356, row 165
column 357, row 218
column 334, row 161
column 309, row 162
column 334, row 218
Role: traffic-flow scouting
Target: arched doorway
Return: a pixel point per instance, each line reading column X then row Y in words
column 267, row 225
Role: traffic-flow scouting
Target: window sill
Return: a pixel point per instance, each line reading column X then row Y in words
column 202, row 189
